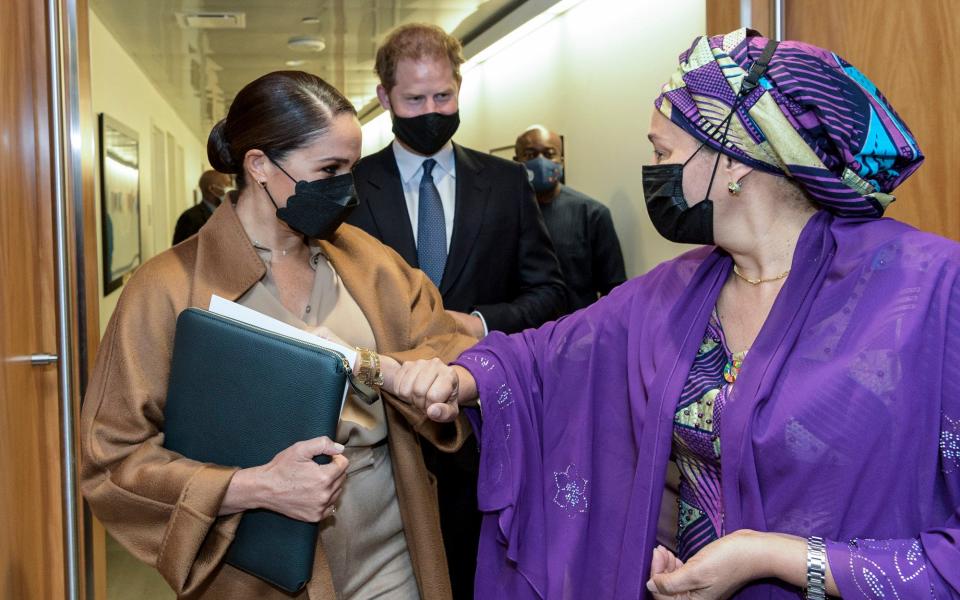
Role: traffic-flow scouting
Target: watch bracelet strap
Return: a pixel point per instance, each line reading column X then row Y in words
column 816, row 568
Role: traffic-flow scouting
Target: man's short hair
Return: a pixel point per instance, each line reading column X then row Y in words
column 416, row 41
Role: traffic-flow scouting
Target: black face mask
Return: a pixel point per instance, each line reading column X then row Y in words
column 317, row 208
column 427, row 133
column 669, row 210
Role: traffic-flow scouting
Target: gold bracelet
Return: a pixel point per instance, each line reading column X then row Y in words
column 377, row 377
column 369, row 370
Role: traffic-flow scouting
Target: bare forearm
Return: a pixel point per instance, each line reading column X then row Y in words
column 468, row 394
column 243, row 493
column 785, row 557
column 389, row 368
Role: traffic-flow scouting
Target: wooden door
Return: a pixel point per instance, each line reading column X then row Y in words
column 724, row 16
column 33, row 551
column 904, row 48
column 31, row 503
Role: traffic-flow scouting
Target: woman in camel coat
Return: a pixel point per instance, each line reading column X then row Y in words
column 180, row 515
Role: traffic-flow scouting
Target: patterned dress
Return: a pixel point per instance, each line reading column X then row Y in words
column 696, row 440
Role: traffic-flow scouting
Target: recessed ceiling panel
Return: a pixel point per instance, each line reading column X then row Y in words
column 199, row 53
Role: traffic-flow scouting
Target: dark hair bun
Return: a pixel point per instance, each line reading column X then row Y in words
column 218, row 150
column 276, row 113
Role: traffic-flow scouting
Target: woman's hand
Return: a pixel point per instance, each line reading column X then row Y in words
column 432, row 386
column 715, row 572
column 663, row 562
column 727, row 564
column 291, row 484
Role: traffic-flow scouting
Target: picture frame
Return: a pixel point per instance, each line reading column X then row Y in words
column 505, row 152
column 119, row 202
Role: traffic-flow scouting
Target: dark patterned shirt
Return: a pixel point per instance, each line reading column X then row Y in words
column 696, row 440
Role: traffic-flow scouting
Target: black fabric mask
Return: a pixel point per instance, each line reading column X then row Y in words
column 669, row 210
column 427, row 133
column 317, row 208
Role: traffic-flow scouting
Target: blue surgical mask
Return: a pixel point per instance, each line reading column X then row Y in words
column 544, row 173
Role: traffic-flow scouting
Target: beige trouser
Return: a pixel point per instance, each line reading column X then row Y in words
column 364, row 541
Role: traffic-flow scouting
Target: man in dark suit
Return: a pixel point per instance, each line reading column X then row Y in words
column 469, row 221
column 213, row 188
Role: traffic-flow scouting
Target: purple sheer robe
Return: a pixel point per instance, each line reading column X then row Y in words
column 845, row 422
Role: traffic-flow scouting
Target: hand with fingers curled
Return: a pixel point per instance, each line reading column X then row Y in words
column 432, row 386
column 715, row 572
column 726, row 564
column 292, row 484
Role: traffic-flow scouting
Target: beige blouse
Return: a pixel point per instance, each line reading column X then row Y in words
column 364, row 541
column 330, row 306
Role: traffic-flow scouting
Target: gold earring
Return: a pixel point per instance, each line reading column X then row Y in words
column 263, row 183
column 734, row 188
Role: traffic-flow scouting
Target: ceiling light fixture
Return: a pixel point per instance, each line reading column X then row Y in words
column 210, row 20
column 306, row 43
column 295, row 63
column 310, row 20
column 519, row 33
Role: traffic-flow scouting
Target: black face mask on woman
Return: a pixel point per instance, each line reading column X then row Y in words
column 317, row 208
column 668, row 208
column 427, row 133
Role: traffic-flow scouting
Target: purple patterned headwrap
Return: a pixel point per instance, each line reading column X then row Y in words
column 813, row 117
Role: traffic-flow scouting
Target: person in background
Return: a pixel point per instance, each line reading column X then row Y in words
column 801, row 366
column 580, row 227
column 281, row 249
column 214, row 187
column 468, row 220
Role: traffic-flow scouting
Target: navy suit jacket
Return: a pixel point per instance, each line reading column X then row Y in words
column 501, row 260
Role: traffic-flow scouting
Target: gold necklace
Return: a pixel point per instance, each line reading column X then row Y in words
column 736, row 271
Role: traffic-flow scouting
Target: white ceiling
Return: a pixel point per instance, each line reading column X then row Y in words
column 200, row 70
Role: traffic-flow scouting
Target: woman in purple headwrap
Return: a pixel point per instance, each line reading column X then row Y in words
column 801, row 367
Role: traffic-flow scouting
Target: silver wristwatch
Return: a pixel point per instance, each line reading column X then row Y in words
column 816, row 568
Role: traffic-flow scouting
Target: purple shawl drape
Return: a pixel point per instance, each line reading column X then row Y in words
column 845, row 422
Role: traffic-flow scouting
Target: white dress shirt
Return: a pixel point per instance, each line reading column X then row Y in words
column 444, row 177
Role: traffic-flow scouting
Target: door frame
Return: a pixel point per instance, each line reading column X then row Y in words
column 73, row 136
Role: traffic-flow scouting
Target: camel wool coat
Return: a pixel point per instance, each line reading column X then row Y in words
column 163, row 507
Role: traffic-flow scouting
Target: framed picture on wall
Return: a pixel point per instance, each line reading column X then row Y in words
column 503, row 151
column 119, row 201
column 508, row 152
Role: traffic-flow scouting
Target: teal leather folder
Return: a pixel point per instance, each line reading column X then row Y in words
column 237, row 396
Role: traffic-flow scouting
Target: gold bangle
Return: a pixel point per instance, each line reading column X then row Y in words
column 369, row 370
column 377, row 372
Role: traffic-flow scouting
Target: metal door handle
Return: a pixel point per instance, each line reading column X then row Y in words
column 39, row 360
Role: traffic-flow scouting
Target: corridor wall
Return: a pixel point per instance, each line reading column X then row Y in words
column 123, row 91
column 591, row 74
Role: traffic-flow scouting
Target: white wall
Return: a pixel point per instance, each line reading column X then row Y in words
column 121, row 90
column 591, row 74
